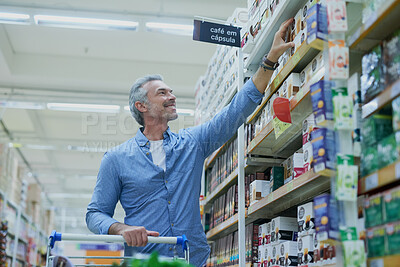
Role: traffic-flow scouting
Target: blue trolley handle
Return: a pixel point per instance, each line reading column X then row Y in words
column 179, row 240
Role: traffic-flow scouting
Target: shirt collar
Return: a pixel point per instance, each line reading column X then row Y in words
column 142, row 139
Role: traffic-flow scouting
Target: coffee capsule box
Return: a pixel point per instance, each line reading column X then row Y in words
column 376, row 241
column 307, row 157
column 305, row 219
column 267, row 254
column 288, row 253
column 305, row 250
column 324, row 152
column 308, row 126
column 283, row 229
column 387, row 151
column 318, row 248
column 393, row 238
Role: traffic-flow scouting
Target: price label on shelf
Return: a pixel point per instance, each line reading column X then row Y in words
column 395, row 90
column 371, row 181
column 279, row 127
column 277, row 81
column 376, row 263
column 397, row 170
column 296, row 58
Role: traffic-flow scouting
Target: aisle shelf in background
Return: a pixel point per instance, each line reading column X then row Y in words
column 221, row 188
column 380, row 178
column 224, row 228
column 265, row 142
column 296, row 63
column 292, row 194
column 287, row 9
column 377, row 27
column 385, row 97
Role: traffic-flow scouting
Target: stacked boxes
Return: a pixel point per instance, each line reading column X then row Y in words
column 317, row 28
column 326, row 218
column 324, row 152
column 305, row 219
column 283, row 229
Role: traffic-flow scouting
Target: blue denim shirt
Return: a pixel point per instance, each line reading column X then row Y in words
column 166, row 202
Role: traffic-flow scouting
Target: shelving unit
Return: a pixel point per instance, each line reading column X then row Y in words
column 382, row 177
column 231, row 179
column 223, row 228
column 295, row 192
column 376, row 28
column 385, row 97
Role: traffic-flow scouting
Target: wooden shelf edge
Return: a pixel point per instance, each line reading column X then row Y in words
column 284, row 190
column 222, row 226
column 364, row 30
column 380, row 178
column 383, row 98
column 221, row 187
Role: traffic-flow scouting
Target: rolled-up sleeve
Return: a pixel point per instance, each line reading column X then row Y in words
column 214, row 133
column 105, row 197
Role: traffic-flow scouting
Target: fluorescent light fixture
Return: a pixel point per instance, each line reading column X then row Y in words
column 21, row 105
column 14, row 18
column 85, row 23
column 40, row 147
column 84, row 107
column 179, row 29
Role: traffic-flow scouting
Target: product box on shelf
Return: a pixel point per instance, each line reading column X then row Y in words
column 293, row 166
column 326, row 218
column 305, row 250
column 260, row 255
column 318, row 249
column 305, row 219
column 275, row 255
column 291, row 86
column 387, row 151
column 308, row 126
column 283, row 229
column 393, row 238
column 317, row 26
column 342, row 108
column 264, row 233
column 369, row 160
column 338, row 60
column 267, row 255
column 391, row 58
column 371, row 80
column 321, row 98
column 307, row 157
column 375, row 128
column 354, row 253
column 258, row 190
column 276, row 178
column 324, row 152
column 346, row 178
column 305, row 75
column 373, row 210
column 288, row 253
column 376, row 241
column 391, row 204
column 337, row 16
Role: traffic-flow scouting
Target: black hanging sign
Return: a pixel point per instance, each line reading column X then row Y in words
column 216, row 33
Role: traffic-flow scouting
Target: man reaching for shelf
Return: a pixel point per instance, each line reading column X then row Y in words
column 156, row 174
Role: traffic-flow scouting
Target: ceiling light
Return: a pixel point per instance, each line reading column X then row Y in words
column 40, row 147
column 85, row 23
column 21, row 105
column 179, row 29
column 14, row 18
column 84, row 107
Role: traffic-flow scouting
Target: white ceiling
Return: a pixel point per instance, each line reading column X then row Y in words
column 45, row 64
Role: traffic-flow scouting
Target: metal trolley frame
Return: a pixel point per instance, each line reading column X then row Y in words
column 56, row 236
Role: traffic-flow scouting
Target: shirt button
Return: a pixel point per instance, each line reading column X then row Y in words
column 169, row 202
column 172, row 224
column 147, row 153
column 166, row 182
column 170, row 248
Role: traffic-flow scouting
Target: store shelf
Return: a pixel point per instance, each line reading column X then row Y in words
column 382, row 177
column 290, row 195
column 286, row 10
column 379, row 25
column 265, row 142
column 299, row 60
column 223, row 228
column 220, row 188
column 387, row 261
column 385, row 97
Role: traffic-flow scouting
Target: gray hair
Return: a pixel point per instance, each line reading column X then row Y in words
column 138, row 93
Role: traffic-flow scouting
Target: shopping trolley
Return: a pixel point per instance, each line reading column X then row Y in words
column 56, row 236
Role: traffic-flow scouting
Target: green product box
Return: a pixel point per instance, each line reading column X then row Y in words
column 373, row 211
column 346, row 178
column 391, row 204
column 387, row 151
column 393, row 238
column 369, row 160
column 277, row 178
column 354, row 253
column 376, row 241
column 375, row 128
column 391, row 58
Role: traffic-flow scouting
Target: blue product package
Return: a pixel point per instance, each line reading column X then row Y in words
column 324, row 152
column 321, row 98
column 317, row 26
column 326, row 218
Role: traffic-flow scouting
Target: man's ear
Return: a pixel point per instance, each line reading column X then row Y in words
column 141, row 106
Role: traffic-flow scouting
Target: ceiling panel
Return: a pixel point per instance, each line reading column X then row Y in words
column 17, row 120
